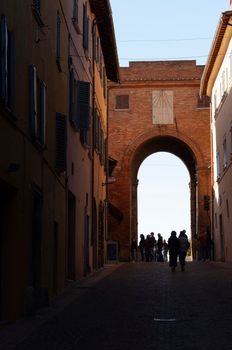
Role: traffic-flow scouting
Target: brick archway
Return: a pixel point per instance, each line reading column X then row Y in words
column 133, row 137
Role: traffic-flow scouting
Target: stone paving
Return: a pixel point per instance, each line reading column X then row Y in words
column 136, row 306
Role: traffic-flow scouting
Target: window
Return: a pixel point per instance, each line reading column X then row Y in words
column 215, row 101
column 97, row 50
column 58, row 40
column 225, row 157
column 104, row 83
column 85, row 28
column 75, row 18
column 218, row 164
column 61, row 142
column 223, row 83
column 79, row 102
column 7, row 64
column 37, row 107
column 122, row 102
column 96, row 129
column 227, row 208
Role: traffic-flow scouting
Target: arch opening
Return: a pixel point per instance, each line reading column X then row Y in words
column 163, row 195
column 178, row 149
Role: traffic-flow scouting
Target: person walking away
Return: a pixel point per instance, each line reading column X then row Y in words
column 173, row 247
column 147, row 248
column 152, row 246
column 142, row 246
column 183, row 248
column 134, row 250
column 160, row 247
column 165, row 250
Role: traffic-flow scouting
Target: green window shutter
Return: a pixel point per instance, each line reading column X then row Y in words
column 83, row 104
column 61, row 142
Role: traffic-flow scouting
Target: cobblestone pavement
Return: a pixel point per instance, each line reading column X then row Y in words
column 137, row 306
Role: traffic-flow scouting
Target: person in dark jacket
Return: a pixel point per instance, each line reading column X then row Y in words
column 142, row 246
column 173, row 247
column 183, row 248
column 134, row 250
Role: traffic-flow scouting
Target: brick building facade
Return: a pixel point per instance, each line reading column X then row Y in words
column 157, row 108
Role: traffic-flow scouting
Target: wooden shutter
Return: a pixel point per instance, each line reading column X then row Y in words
column 85, row 28
column 61, row 142
column 71, row 96
column 42, row 135
column 11, row 70
column 4, row 60
column 33, row 100
column 83, row 104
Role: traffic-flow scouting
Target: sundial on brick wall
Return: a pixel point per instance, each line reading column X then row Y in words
column 162, row 107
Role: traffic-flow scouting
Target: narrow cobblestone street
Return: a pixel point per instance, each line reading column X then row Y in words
column 139, row 306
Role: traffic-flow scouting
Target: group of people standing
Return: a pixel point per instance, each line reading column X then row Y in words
column 157, row 250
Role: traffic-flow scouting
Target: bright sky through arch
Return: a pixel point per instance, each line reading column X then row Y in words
column 163, row 195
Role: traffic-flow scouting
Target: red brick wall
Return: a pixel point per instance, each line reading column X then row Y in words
column 133, row 137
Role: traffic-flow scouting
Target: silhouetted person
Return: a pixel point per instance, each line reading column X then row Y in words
column 142, row 246
column 160, row 247
column 147, row 248
column 165, row 250
column 183, row 248
column 134, row 249
column 173, row 247
column 152, row 246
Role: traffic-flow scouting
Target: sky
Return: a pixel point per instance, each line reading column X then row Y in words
column 164, row 30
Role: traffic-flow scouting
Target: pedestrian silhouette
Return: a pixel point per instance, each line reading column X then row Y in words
column 173, row 247
column 142, row 246
column 183, row 248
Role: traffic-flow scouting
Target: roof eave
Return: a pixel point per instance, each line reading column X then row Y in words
column 215, row 48
column 103, row 13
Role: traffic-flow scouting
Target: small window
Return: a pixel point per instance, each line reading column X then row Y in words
column 227, row 208
column 215, row 101
column 218, row 164
column 75, row 17
column 37, row 107
column 79, row 102
column 85, row 28
column 58, row 40
column 61, row 142
column 225, row 156
column 7, row 65
column 122, row 102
